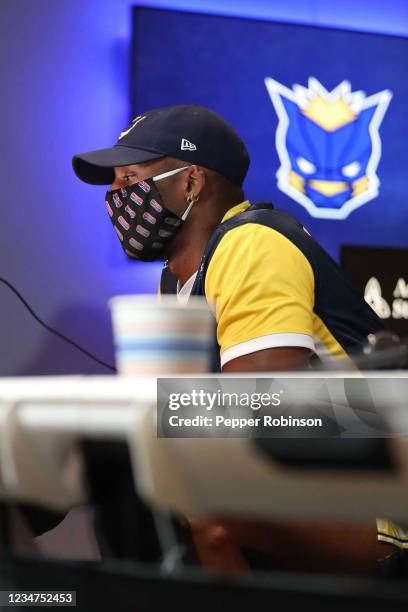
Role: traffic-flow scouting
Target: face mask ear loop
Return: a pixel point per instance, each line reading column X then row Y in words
column 160, row 177
column 191, row 200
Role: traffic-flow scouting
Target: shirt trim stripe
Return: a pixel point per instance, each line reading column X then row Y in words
column 266, row 342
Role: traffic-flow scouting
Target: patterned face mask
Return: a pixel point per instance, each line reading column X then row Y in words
column 144, row 225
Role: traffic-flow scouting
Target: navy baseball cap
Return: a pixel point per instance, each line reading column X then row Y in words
column 188, row 132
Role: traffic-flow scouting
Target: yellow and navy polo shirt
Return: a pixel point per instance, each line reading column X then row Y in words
column 272, row 285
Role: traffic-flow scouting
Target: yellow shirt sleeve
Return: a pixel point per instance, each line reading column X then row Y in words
column 260, row 284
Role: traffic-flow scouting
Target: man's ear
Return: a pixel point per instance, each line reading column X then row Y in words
column 195, row 180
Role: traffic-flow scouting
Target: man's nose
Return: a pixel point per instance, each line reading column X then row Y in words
column 116, row 184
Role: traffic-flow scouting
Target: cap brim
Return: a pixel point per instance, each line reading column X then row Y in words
column 97, row 167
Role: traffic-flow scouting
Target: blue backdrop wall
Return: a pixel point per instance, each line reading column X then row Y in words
column 65, row 78
column 342, row 157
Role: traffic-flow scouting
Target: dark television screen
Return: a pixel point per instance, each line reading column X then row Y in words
column 322, row 111
column 381, row 275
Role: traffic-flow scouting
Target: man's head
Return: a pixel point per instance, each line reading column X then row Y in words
column 188, row 132
column 195, row 182
column 194, row 157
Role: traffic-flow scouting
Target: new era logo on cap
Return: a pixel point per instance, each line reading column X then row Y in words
column 186, row 145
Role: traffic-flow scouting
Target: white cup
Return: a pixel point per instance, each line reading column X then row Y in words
column 156, row 336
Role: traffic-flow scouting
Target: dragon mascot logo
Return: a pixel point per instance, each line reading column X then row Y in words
column 329, row 145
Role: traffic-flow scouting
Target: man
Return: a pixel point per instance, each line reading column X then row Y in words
column 176, row 179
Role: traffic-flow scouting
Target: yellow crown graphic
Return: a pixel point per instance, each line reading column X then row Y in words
column 330, row 110
column 329, row 115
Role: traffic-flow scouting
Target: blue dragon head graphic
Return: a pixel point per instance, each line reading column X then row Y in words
column 328, row 145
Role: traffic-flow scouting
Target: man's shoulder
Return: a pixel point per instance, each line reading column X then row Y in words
column 263, row 213
column 250, row 225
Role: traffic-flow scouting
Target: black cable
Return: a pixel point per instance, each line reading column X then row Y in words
column 54, row 331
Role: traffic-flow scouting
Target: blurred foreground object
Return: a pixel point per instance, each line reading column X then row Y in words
column 384, row 351
column 195, row 477
column 205, row 476
column 160, row 336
